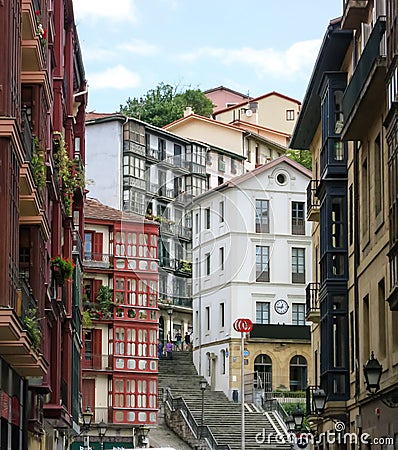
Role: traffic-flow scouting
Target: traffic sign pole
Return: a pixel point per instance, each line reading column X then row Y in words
column 243, row 326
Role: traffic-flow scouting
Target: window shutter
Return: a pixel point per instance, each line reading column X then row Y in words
column 95, row 289
column 98, row 246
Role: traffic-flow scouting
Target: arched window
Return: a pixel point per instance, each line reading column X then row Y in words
column 298, row 373
column 263, row 372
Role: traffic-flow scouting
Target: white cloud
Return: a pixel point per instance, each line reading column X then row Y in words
column 124, row 11
column 118, row 77
column 287, row 64
column 138, row 47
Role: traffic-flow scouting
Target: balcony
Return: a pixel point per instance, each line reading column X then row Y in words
column 312, row 302
column 184, row 267
column 133, row 147
column 97, row 261
column 33, row 45
column 312, row 201
column 167, row 227
column 362, row 95
column 184, row 232
column 166, row 193
column 185, row 302
column 97, row 362
column 77, row 244
column 27, row 138
column 283, row 332
column 355, row 12
column 196, row 168
column 16, row 345
column 132, row 182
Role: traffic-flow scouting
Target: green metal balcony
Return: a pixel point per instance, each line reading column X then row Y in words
column 366, row 88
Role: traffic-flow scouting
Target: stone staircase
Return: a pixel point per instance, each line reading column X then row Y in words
column 221, row 415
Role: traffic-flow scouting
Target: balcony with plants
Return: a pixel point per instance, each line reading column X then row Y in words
column 102, row 308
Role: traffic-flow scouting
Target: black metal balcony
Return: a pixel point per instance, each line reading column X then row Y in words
column 312, row 302
column 355, row 12
column 312, row 201
column 285, row 332
column 367, row 82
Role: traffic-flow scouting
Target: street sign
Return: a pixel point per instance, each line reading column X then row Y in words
column 243, row 325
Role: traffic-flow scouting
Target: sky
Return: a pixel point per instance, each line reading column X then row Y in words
column 251, row 46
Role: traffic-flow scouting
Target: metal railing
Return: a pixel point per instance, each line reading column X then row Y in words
column 96, row 362
column 312, row 199
column 77, row 243
column 27, row 137
column 312, row 297
column 274, row 405
column 202, row 432
column 184, row 232
column 98, row 260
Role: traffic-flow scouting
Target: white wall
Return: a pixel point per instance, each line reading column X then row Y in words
column 104, row 162
column 236, row 285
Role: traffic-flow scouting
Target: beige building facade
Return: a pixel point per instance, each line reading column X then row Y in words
column 345, row 122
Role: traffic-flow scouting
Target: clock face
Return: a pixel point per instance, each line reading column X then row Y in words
column 281, row 306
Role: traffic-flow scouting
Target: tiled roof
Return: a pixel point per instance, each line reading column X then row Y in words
column 97, row 210
column 233, row 182
column 261, row 97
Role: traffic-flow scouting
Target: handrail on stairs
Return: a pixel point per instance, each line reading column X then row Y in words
column 204, row 432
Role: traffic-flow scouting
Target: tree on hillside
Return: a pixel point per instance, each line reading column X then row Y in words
column 303, row 157
column 164, row 104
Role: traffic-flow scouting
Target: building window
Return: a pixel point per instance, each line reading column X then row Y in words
column 257, row 155
column 223, row 361
column 262, row 263
column 298, row 224
column 134, row 166
column 221, row 258
column 298, row 265
column 222, row 315
column 290, row 114
column 220, row 180
column 298, row 373
column 207, row 262
column 263, row 372
column 197, row 223
column 207, row 218
column 262, row 216
column 365, row 198
column 221, row 163
column 262, row 312
column 221, row 211
column 233, row 166
column 378, row 174
column 207, row 318
column 298, row 314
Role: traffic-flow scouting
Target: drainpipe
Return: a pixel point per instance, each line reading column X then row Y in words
column 200, row 290
column 356, row 263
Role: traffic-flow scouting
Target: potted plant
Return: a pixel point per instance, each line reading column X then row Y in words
column 62, row 268
column 32, row 327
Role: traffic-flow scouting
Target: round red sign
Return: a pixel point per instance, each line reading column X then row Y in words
column 243, row 325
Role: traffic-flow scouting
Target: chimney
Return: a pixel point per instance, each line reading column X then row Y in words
column 188, row 111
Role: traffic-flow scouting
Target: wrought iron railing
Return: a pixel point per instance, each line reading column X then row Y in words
column 202, row 432
column 312, row 297
column 98, row 260
column 312, row 199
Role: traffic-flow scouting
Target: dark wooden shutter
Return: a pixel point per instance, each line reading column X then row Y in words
column 98, row 247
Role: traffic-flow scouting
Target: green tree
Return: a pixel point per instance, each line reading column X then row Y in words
column 164, row 104
column 303, row 157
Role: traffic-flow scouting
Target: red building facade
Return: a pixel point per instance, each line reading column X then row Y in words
column 119, row 360
column 42, row 106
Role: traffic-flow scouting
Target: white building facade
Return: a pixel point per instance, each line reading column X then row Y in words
column 252, row 258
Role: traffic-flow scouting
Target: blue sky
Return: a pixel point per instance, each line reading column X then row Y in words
column 255, row 46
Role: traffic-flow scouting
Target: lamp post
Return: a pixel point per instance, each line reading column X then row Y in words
column 203, row 385
column 170, row 311
column 142, row 436
column 298, row 417
column 372, row 371
column 101, row 433
column 87, row 417
column 319, row 400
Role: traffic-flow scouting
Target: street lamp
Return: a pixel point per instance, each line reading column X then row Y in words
column 372, row 371
column 87, row 417
column 203, row 385
column 291, row 425
column 142, row 435
column 170, row 311
column 101, row 432
column 298, row 417
column 319, row 400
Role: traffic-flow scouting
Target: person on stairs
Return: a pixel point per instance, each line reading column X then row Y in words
column 169, row 350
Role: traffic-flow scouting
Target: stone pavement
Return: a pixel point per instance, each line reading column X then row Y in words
column 162, row 436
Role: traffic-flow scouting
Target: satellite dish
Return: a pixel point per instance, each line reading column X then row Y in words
column 249, row 112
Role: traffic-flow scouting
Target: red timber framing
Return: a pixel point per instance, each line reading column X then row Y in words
column 128, row 364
